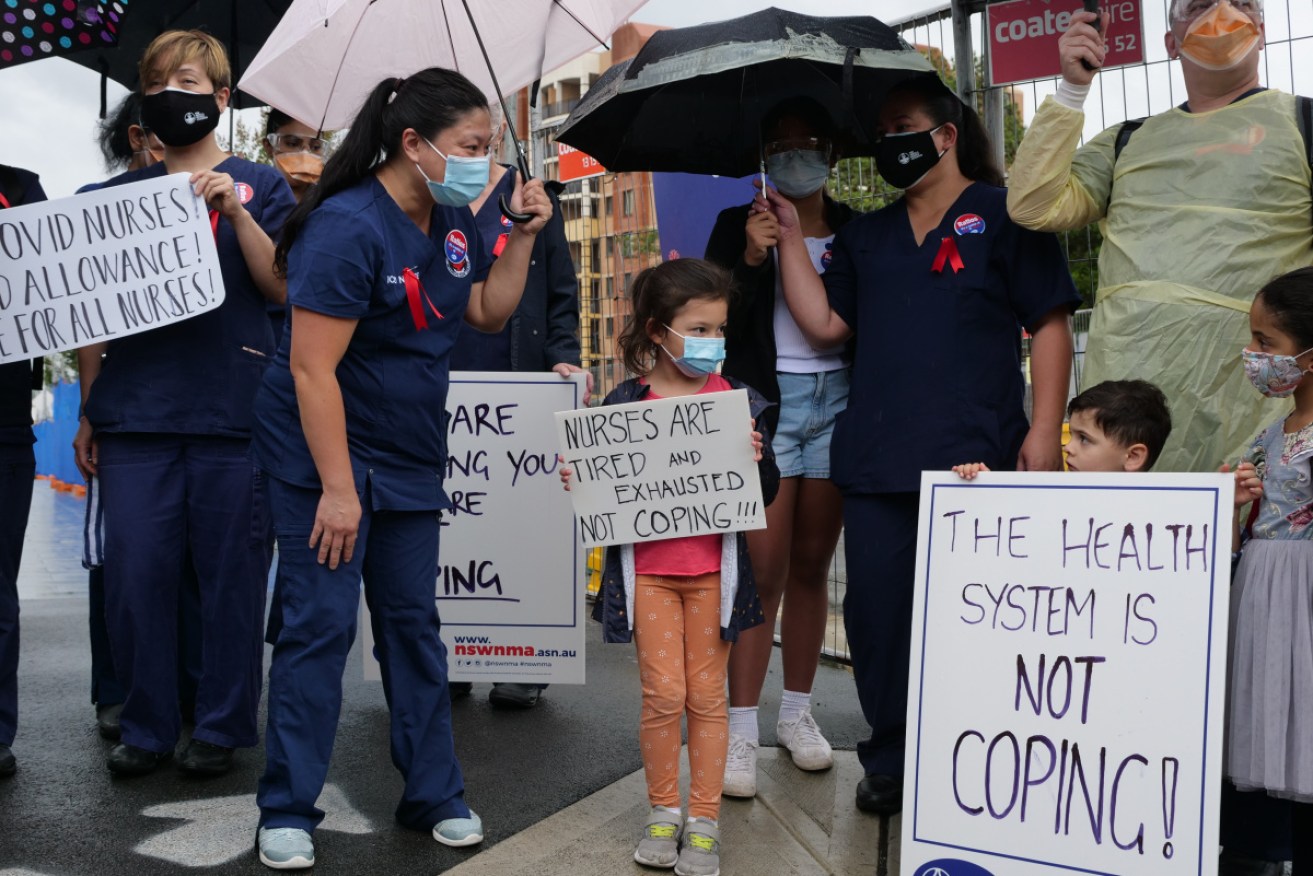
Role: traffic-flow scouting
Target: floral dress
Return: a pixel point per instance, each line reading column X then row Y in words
column 1270, row 715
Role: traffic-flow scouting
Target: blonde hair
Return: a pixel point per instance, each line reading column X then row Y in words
column 174, row 48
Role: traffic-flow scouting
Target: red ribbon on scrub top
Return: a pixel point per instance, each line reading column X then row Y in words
column 416, row 297
column 947, row 253
column 214, row 224
column 4, row 202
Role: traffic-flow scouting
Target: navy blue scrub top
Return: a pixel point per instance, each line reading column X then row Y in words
column 347, row 262
column 936, row 377
column 16, row 377
column 198, row 376
column 487, row 351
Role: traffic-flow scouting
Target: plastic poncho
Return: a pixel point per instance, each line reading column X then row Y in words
column 1200, row 211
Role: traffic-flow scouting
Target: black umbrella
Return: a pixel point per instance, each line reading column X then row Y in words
column 241, row 25
column 693, row 99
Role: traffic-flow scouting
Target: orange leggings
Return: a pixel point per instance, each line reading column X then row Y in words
column 681, row 662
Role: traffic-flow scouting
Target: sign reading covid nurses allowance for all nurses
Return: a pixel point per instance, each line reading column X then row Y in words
column 1068, row 675
column 103, row 265
column 1023, row 36
column 511, row 575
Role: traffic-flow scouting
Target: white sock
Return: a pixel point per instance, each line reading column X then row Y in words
column 793, row 704
column 743, row 722
column 673, row 810
column 711, row 821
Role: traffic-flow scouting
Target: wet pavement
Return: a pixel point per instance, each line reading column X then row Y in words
column 530, row 773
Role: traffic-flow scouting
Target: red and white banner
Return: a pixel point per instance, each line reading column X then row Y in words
column 1023, row 36
column 572, row 164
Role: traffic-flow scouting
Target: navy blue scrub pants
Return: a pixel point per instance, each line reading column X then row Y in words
column 880, row 553
column 17, row 470
column 397, row 556
column 165, row 495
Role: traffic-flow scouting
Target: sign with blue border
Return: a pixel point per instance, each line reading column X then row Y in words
column 1068, row 673
column 511, row 574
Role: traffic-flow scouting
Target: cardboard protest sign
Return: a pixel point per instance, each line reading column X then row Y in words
column 104, row 264
column 662, row 469
column 511, row 574
column 1068, row 675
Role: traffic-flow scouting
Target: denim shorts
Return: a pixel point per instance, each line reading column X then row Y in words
column 808, row 405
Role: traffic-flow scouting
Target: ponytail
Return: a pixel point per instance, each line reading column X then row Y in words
column 430, row 101
column 975, row 156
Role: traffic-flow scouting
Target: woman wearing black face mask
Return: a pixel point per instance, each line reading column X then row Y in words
column 765, row 349
column 934, row 290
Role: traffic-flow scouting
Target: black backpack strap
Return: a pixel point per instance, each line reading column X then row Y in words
column 1129, row 127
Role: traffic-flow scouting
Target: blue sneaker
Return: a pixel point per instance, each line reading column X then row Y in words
column 286, row 848
column 459, row 831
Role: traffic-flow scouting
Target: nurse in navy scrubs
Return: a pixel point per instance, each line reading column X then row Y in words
column 167, row 428
column 383, row 260
column 935, row 289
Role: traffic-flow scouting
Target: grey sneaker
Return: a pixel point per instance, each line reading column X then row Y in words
column 286, row 848
column 806, row 745
column 659, row 846
column 459, row 832
column 699, row 855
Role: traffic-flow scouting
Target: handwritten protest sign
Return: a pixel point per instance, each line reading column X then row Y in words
column 104, row 264
column 662, row 469
column 1068, row 674
column 511, row 575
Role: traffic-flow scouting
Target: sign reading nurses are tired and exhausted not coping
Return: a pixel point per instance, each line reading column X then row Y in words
column 1068, row 674
column 103, row 265
column 667, row 468
column 1023, row 36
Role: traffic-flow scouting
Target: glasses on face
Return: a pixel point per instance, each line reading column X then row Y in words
column 297, row 143
column 803, row 144
column 1189, row 10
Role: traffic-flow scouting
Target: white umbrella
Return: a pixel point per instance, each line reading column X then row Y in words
column 325, row 56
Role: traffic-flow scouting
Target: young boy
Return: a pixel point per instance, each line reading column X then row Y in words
column 1118, row 425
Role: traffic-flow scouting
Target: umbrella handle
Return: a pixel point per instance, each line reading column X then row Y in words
column 505, row 206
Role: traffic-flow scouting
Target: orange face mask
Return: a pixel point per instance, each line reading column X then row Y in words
column 300, row 166
column 1220, row 38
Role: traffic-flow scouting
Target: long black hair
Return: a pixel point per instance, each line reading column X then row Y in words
column 1289, row 298
column 429, row 101
column 115, row 144
column 975, row 155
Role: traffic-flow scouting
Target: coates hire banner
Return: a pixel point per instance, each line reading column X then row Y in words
column 1023, row 37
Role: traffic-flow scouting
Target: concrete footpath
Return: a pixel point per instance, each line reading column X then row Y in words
column 559, row 787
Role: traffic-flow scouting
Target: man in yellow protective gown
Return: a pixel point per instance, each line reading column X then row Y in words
column 1205, row 204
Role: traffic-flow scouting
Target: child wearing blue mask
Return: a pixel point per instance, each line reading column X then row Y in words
column 1270, row 708
column 692, row 595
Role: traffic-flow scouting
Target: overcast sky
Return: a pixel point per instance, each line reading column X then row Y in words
column 50, row 107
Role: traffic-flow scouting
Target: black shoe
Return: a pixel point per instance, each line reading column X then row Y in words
column 205, row 759
column 514, row 696
column 107, row 721
column 882, row 795
column 1233, row 865
column 8, row 765
column 129, row 760
column 458, row 690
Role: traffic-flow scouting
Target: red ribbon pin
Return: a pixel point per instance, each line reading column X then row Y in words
column 416, row 297
column 214, row 224
column 947, row 254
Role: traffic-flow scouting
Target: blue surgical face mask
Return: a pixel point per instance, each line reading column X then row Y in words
column 798, row 173
column 463, row 181
column 701, row 355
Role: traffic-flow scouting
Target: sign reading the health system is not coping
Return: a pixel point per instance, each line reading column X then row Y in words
column 1067, row 676
column 103, row 265
column 661, row 469
column 510, row 586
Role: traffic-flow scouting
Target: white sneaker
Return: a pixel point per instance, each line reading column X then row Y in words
column 740, row 768
column 286, row 848
column 803, row 739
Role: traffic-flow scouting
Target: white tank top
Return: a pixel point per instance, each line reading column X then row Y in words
column 793, row 355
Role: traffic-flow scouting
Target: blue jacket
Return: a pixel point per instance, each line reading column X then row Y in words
column 609, row 608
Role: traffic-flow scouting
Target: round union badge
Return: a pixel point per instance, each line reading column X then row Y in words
column 457, row 249
column 969, row 223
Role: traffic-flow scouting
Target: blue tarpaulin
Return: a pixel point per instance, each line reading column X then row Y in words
column 54, row 437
